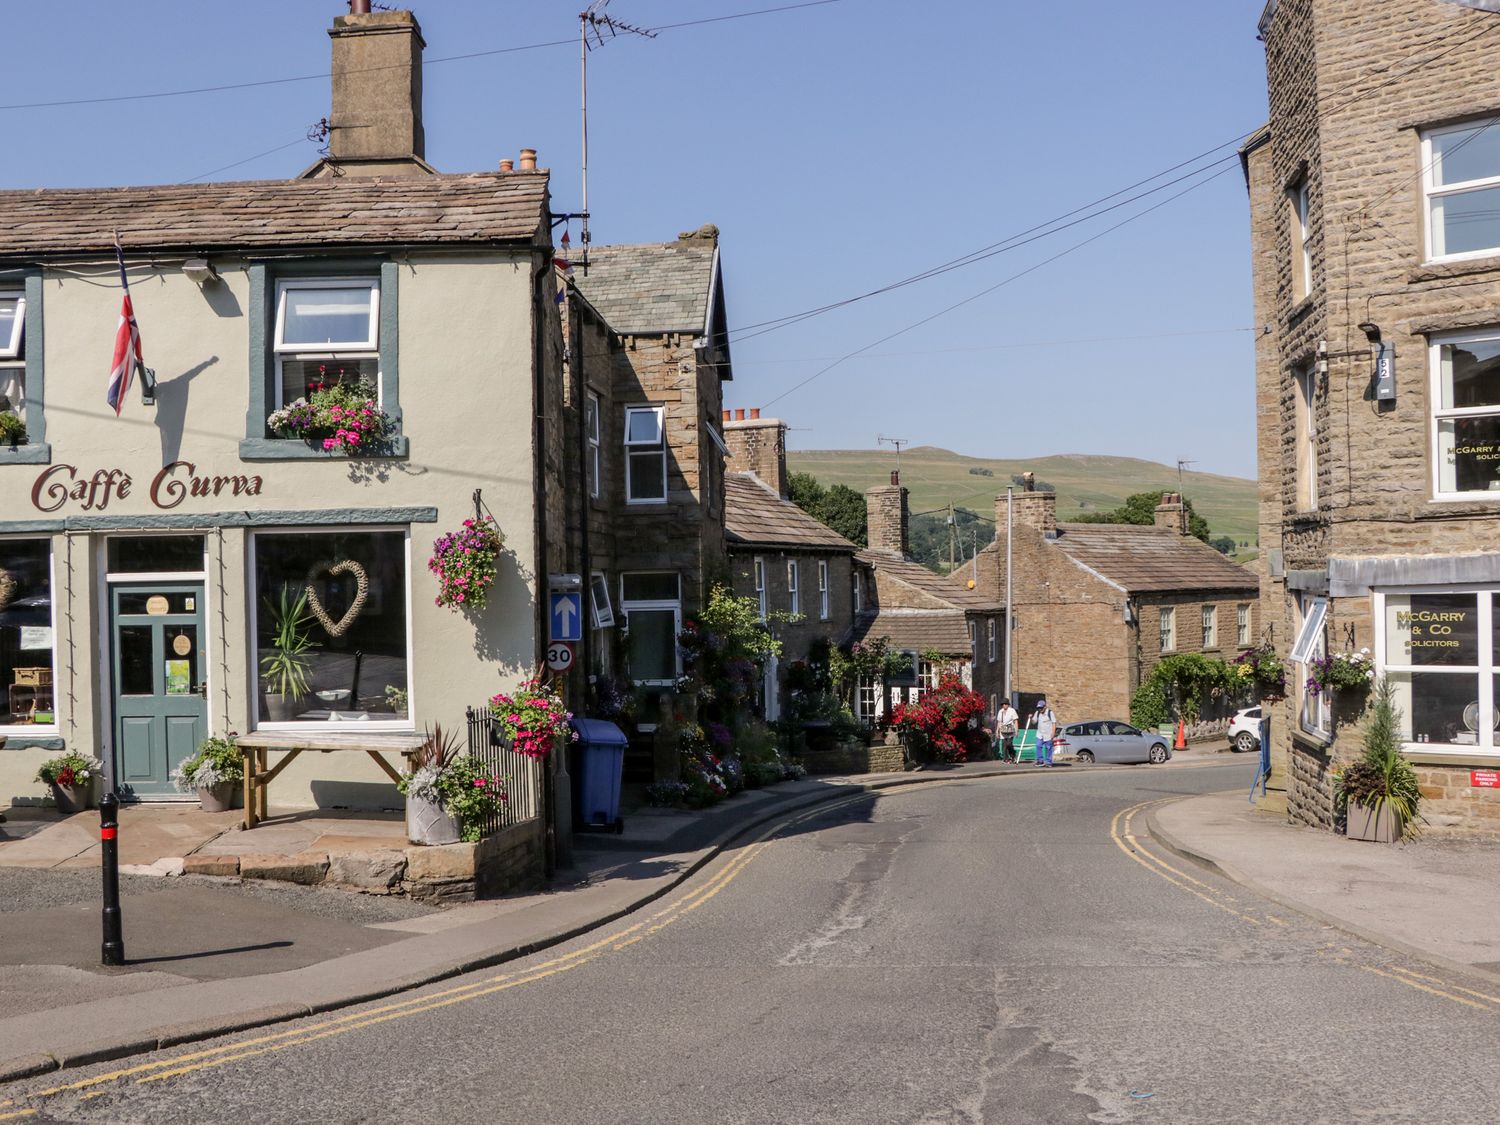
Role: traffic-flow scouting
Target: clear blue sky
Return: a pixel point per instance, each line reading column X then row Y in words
column 838, row 148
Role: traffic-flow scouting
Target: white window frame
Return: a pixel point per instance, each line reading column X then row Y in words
column 1167, row 625
column 406, row 724
column 634, row 449
column 1313, row 612
column 793, row 593
column 1486, row 670
column 603, row 612
column 758, row 568
column 867, row 707
column 972, row 628
column 822, row 589
column 1210, row 617
column 11, row 349
column 341, row 349
column 1311, row 644
column 1439, row 414
column 1433, row 192
column 992, row 641
column 858, row 599
column 1305, row 422
column 591, row 442
column 675, row 605
column 1298, row 209
column 1242, row 625
column 19, row 731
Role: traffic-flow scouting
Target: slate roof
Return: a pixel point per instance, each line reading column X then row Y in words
column 489, row 207
column 653, row 288
column 1145, row 559
column 948, row 587
column 754, row 515
column 944, row 630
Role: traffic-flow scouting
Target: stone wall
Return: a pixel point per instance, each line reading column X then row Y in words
column 855, row 757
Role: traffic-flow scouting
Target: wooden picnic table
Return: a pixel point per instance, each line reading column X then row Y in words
column 254, row 749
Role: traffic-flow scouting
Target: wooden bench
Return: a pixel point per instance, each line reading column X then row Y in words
column 254, row 749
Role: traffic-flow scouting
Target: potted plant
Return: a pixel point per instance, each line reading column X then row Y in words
column 464, row 562
column 1378, row 794
column 214, row 772
column 1341, row 671
column 448, row 797
column 71, row 776
column 12, row 429
column 285, row 668
column 532, row 719
column 1264, row 671
column 337, row 418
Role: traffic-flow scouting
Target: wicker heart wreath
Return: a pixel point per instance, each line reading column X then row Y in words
column 362, row 590
column 7, row 587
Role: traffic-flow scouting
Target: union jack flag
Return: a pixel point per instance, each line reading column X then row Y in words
column 127, row 345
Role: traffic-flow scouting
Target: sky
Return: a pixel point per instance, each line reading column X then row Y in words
column 839, row 147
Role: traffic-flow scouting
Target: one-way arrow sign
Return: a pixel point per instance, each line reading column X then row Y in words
column 566, row 618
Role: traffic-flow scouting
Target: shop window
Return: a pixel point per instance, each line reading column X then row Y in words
column 27, row 640
column 652, row 605
column 1466, row 414
column 645, row 455
column 1439, row 653
column 591, row 439
column 1461, row 183
column 155, row 554
column 332, row 627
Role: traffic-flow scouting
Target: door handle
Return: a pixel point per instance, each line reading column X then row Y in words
column 203, row 690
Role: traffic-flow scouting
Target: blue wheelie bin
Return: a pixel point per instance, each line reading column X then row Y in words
column 601, row 759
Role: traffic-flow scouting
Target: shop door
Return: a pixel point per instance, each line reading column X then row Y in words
column 160, row 693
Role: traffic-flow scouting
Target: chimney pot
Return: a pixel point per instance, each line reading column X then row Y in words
column 728, row 414
column 528, row 160
column 359, row 7
column 895, row 477
column 507, row 165
column 739, row 414
column 754, row 412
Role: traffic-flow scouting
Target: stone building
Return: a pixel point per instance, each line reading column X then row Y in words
column 147, row 554
column 781, row 556
column 1096, row 606
column 949, row 626
column 1376, row 257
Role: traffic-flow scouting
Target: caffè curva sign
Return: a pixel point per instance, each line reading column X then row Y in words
column 60, row 485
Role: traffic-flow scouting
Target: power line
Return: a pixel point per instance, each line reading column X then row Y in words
column 261, row 83
column 247, row 160
column 985, row 292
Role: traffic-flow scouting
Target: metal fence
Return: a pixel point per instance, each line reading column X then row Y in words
column 525, row 777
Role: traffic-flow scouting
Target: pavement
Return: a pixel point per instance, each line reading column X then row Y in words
column 207, row 957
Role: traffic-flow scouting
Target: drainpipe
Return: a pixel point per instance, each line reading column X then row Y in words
column 551, row 795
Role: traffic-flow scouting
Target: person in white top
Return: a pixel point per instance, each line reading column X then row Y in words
column 1006, row 723
column 1046, row 732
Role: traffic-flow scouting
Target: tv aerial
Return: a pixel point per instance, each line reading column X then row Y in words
column 896, row 443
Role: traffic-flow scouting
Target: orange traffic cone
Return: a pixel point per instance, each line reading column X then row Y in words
column 1181, row 743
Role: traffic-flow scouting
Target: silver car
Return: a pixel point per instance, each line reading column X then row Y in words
column 1106, row 740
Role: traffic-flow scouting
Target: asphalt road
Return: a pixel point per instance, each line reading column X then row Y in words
column 1002, row 950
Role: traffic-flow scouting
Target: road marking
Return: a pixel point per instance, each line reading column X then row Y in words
column 18, row 1114
column 1422, row 987
column 1448, row 984
column 1134, row 853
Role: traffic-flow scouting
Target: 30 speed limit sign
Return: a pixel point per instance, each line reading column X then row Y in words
column 559, row 656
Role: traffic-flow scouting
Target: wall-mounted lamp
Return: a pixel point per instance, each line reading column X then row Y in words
column 1371, row 331
column 148, row 385
column 199, row 271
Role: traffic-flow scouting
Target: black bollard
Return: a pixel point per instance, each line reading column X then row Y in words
column 109, row 860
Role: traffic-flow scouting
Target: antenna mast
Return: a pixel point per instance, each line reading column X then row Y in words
column 897, row 442
column 1181, row 464
column 594, row 24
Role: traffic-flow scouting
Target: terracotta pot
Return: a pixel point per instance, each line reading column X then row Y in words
column 428, row 823
column 73, row 798
column 218, row 798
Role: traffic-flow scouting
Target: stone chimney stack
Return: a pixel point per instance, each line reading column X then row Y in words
column 1171, row 513
column 375, row 128
column 888, row 516
column 1032, row 509
column 758, row 445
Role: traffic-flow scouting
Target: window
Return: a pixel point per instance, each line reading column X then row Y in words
column 1242, row 625
column 793, row 596
column 334, row 607
column 822, row 590
column 1466, row 413
column 326, row 332
column 1210, row 626
column 1168, row 628
column 867, row 701
column 992, row 641
column 604, row 614
column 1305, row 421
column 859, row 592
column 1297, row 223
column 591, row 440
column 760, row 587
column 927, row 680
column 652, row 605
column 973, row 629
column 1461, row 182
column 645, row 455
column 1440, row 651
column 27, row 641
column 1310, row 645
column 13, row 352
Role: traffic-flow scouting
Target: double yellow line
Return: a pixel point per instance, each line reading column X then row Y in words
column 164, row 1069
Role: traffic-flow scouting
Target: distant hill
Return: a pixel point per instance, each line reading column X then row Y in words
column 1084, row 482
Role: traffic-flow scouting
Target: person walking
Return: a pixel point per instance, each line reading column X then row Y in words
column 1046, row 733
column 1007, row 721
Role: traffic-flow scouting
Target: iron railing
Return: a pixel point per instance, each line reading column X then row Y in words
column 525, row 777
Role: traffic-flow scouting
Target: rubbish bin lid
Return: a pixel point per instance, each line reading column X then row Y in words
column 599, row 732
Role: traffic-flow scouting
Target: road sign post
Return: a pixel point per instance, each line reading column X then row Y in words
column 559, row 656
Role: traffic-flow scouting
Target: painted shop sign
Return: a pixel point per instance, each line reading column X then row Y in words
column 63, row 484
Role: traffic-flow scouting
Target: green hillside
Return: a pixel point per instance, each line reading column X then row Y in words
column 1084, row 482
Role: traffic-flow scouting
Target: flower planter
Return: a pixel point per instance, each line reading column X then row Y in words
column 1379, row 824
column 73, row 798
column 218, row 798
column 428, row 823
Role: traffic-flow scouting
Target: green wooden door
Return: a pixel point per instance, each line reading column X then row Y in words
column 160, row 690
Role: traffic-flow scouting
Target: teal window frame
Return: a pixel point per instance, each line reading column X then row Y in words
column 35, row 451
column 257, row 446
